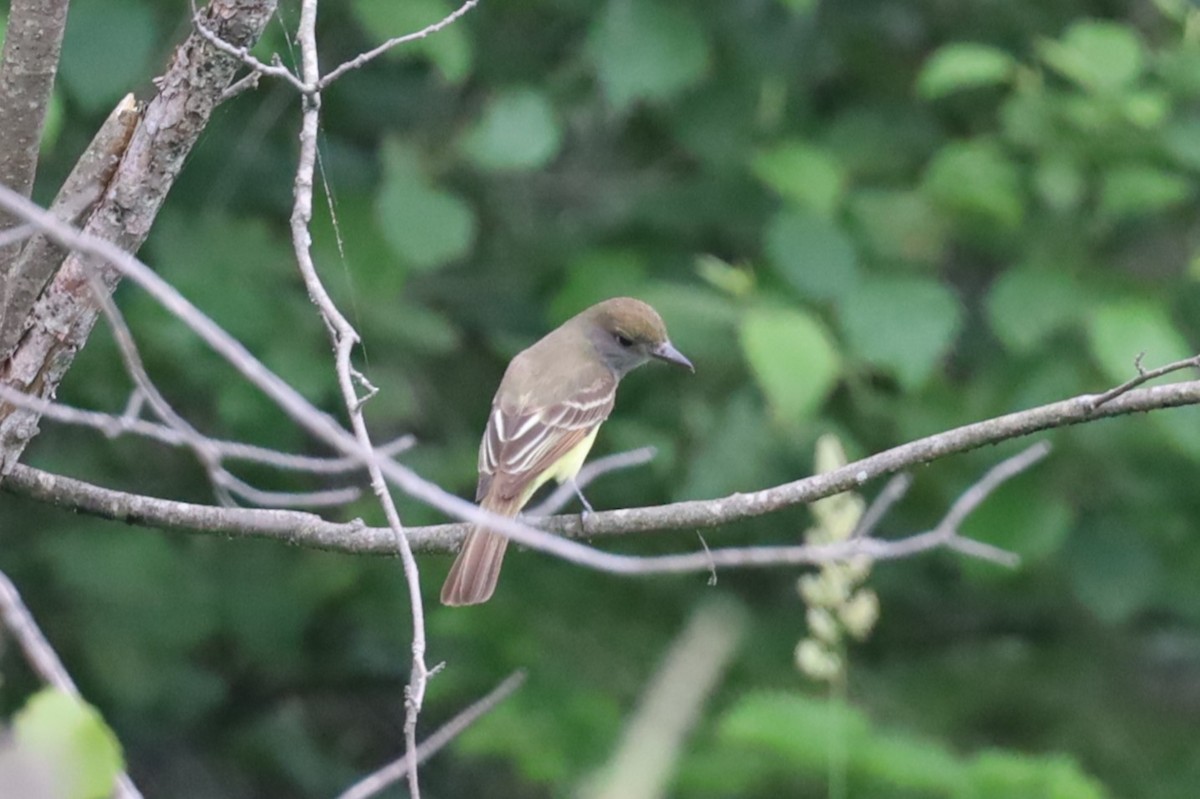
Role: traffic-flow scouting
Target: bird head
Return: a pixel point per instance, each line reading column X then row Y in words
column 627, row 333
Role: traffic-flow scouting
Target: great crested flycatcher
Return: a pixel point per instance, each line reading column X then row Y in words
column 544, row 418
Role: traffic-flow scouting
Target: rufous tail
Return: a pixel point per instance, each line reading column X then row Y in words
column 473, row 576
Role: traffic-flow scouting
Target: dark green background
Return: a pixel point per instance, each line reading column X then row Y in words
column 878, row 219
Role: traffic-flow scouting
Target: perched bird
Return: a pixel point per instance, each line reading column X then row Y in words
column 544, row 418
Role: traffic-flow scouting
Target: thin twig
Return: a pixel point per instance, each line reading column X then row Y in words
column 993, row 479
column 374, row 53
column 112, row 426
column 226, row 484
column 344, row 338
column 243, row 55
column 1143, row 376
column 247, row 82
column 395, row 771
column 892, row 492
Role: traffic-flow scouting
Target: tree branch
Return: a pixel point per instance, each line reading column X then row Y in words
column 112, row 426
column 395, row 771
column 172, row 123
column 372, row 54
column 40, row 258
column 700, row 513
column 1144, row 375
column 308, row 530
column 32, row 43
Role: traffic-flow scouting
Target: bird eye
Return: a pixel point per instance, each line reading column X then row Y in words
column 624, row 341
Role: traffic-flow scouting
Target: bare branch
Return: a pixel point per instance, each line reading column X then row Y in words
column 1143, row 376
column 292, row 527
column 892, row 493
column 173, row 121
column 113, row 426
column 288, row 526
column 246, row 83
column 973, row 497
column 344, row 338
column 395, row 771
column 242, row 54
column 308, row 530
column 43, row 659
column 37, row 650
column 227, row 485
column 374, row 53
column 694, row 514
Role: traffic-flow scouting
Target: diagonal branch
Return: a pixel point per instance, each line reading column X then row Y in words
column 372, row 54
column 113, row 426
column 78, row 197
column 395, row 771
column 170, row 127
column 699, row 513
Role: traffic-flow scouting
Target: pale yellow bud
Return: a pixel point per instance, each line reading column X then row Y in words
column 823, row 625
column 860, row 613
column 815, row 660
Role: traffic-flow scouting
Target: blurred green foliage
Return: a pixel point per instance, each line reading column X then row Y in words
column 880, row 219
column 60, row 745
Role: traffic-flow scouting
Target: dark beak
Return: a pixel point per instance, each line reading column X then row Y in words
column 667, row 352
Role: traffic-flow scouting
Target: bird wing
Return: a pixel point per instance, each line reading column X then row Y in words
column 521, row 443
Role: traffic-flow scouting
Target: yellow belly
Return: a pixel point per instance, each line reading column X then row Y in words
column 566, row 467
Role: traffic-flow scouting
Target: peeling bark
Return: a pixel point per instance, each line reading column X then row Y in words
column 64, row 316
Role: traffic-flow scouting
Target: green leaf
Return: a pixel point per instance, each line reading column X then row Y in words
column 1138, row 190
column 812, row 254
column 999, row 774
column 1028, row 304
column 1146, row 108
column 977, row 179
column 1118, row 331
column 1099, row 56
column 904, row 324
column 794, row 726
column 423, row 224
column 964, row 65
column 647, row 50
column 106, row 50
column 517, row 130
column 793, row 358
column 449, row 49
column 803, row 174
column 72, row 736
